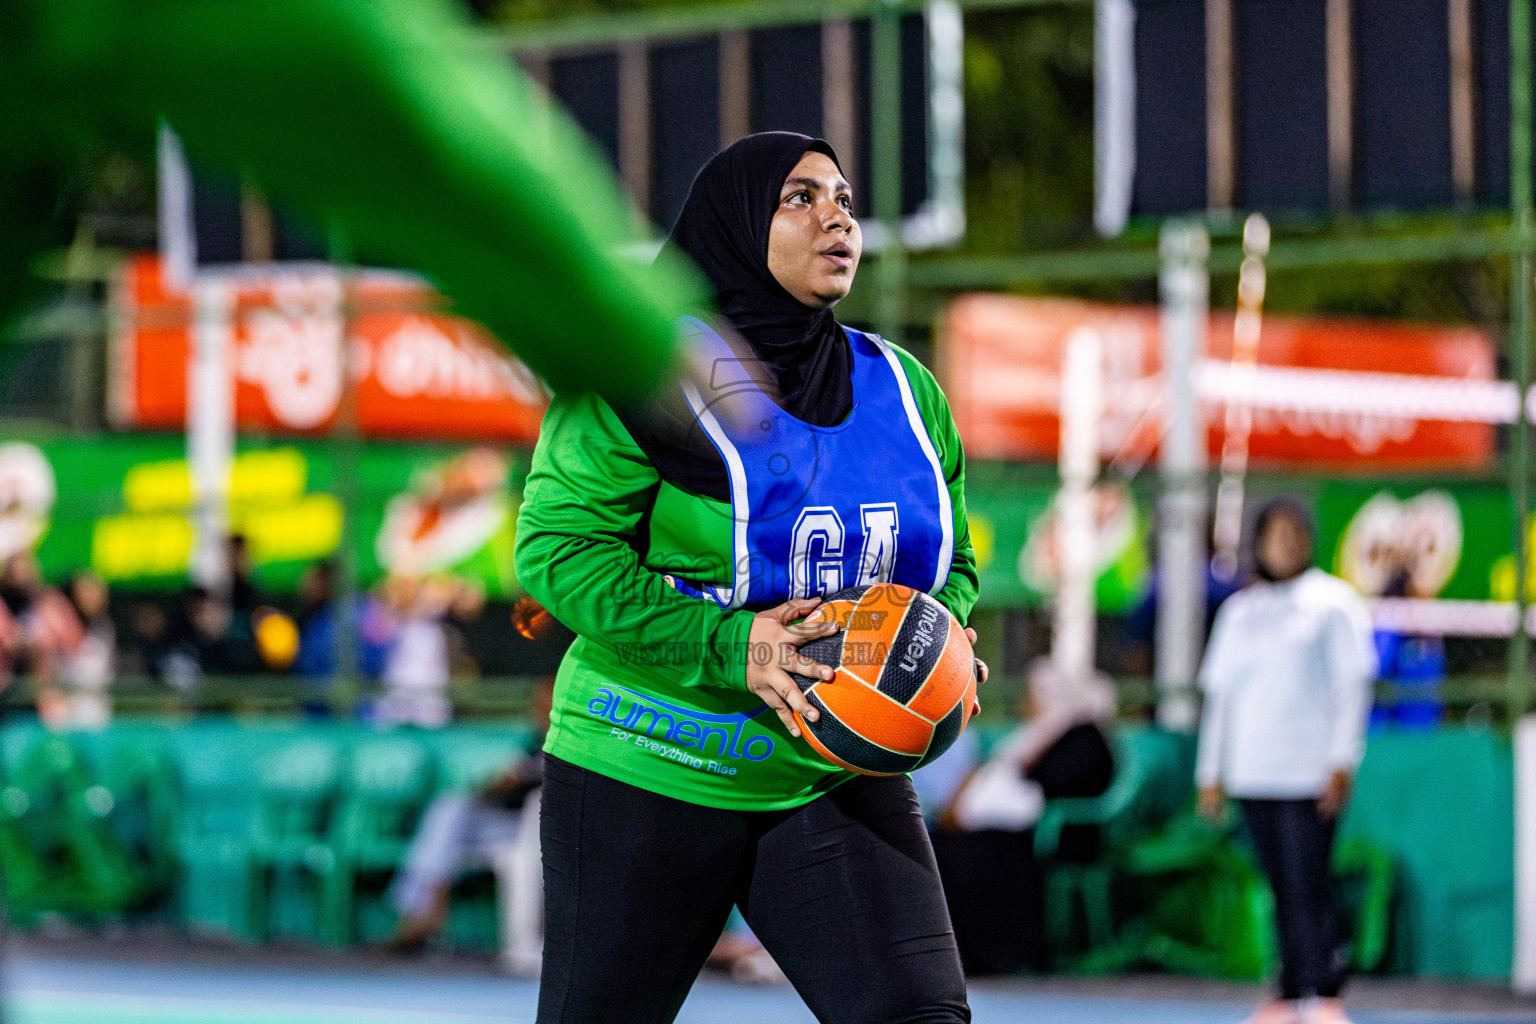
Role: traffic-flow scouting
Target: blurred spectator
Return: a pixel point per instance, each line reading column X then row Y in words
column 416, row 668
column 460, row 831
column 464, row 608
column 142, row 650
column 985, row 840
column 87, row 671
column 1287, row 686
column 1141, row 623
column 1061, row 750
column 10, row 644
column 317, row 627
column 1414, row 664
column 50, row 629
column 244, row 595
column 317, row 622
column 206, row 638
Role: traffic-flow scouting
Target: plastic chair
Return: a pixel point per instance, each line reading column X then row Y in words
column 55, row 848
column 216, row 794
column 467, row 761
column 137, row 774
column 1138, row 799
column 387, row 781
column 292, row 859
column 1368, row 876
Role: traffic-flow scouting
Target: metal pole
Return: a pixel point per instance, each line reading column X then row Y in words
column 1082, row 416
column 1520, row 332
column 211, row 427
column 1181, row 533
column 885, row 117
column 1227, row 526
column 344, row 448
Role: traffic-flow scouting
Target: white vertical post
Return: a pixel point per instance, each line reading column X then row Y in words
column 1524, row 972
column 1114, row 114
column 1181, row 536
column 1082, row 409
column 210, row 427
column 1227, row 527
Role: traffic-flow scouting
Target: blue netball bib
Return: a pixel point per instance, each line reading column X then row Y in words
column 816, row 509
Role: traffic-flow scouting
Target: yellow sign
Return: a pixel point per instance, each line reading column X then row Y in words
column 267, row 505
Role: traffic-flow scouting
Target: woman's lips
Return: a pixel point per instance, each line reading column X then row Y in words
column 839, row 260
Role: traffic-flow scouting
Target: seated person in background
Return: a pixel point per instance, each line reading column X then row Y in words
column 49, row 634
column 416, row 669
column 985, row 836
column 206, row 638
column 1060, row 750
column 459, row 831
column 87, row 669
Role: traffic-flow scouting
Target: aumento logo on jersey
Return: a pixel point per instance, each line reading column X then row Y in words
column 647, row 716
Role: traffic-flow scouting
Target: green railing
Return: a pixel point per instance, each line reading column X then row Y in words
column 1475, row 697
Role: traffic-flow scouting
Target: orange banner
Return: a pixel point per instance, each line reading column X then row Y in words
column 1327, row 393
column 419, row 372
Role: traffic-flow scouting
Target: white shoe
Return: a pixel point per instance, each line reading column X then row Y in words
column 1281, row 1011
column 1327, row 1011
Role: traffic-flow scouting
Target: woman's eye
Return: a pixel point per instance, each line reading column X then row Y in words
column 845, row 202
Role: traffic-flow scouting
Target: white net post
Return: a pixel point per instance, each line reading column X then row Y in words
column 1082, row 409
column 1227, row 531
column 1181, row 553
column 211, row 426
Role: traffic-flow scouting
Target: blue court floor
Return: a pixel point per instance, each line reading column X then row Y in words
column 60, row 986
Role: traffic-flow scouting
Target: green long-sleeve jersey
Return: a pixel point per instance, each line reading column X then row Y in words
column 653, row 691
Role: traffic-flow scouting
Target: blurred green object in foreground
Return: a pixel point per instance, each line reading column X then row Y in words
column 387, row 119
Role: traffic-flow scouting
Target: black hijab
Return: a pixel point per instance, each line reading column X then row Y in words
column 723, row 228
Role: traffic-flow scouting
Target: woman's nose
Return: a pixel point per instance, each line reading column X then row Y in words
column 836, row 217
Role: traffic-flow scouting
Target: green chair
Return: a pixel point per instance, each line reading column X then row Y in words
column 291, row 856
column 1366, row 874
column 468, row 760
column 1144, row 794
column 216, row 797
column 387, row 782
column 55, row 847
column 136, row 772
column 1203, row 906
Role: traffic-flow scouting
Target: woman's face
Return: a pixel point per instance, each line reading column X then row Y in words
column 814, row 243
column 1284, row 548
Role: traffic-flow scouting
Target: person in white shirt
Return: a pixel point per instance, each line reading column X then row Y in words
column 1287, row 679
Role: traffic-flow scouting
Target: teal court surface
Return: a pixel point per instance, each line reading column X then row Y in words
column 91, row 982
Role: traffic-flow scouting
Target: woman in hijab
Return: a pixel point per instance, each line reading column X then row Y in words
column 683, row 542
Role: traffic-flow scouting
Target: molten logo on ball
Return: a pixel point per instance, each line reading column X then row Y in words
column 905, row 684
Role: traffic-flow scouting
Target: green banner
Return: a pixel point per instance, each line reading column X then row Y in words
column 1012, row 522
column 1405, row 539
column 120, row 504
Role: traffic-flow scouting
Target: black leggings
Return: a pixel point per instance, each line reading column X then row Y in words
column 1295, row 846
column 843, row 892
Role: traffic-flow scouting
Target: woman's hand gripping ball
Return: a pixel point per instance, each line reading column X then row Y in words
column 773, row 652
